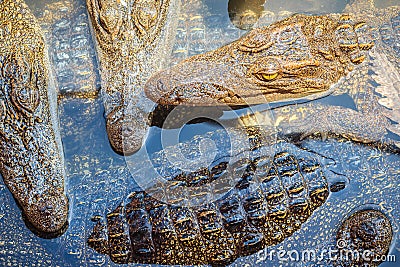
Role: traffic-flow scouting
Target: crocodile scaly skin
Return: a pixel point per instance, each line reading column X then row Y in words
column 300, row 56
column 31, row 159
column 368, row 232
column 268, row 204
column 133, row 39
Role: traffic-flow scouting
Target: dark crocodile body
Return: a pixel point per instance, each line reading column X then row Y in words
column 236, row 206
column 267, row 205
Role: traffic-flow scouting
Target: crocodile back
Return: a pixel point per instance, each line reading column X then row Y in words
column 385, row 62
column 266, row 205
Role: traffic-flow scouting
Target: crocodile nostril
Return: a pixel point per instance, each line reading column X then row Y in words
column 127, row 130
column 46, row 208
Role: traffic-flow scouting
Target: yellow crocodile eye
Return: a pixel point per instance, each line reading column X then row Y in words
column 269, row 76
column 359, row 25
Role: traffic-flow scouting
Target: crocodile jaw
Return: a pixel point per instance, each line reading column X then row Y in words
column 47, row 212
column 126, row 131
column 132, row 39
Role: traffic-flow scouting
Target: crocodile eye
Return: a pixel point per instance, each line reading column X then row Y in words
column 265, row 70
column 110, row 17
column 24, row 93
column 267, row 76
column 144, row 17
column 17, row 69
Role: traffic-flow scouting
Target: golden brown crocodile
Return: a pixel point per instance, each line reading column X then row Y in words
column 31, row 154
column 298, row 57
column 133, row 38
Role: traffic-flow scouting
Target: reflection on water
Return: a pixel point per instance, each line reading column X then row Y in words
column 98, row 178
column 244, row 14
column 306, row 6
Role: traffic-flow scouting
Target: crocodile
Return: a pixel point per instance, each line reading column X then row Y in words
column 132, row 40
column 297, row 57
column 32, row 163
column 192, row 82
column 251, row 72
column 364, row 230
column 259, row 198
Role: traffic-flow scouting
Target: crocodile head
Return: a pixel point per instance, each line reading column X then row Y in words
column 126, row 33
column 31, row 155
column 294, row 58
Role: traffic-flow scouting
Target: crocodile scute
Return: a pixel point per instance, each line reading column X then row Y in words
column 31, row 155
column 301, row 56
column 269, row 203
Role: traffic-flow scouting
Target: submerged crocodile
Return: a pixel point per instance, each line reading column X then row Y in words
column 133, row 38
column 32, row 162
column 234, row 207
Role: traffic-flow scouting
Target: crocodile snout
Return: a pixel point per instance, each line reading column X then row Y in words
column 47, row 212
column 125, row 131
